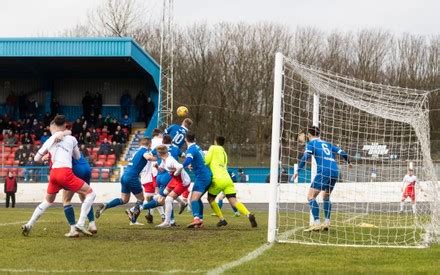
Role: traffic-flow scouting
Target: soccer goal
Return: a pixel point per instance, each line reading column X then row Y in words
column 385, row 131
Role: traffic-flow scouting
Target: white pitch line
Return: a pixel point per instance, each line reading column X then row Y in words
column 11, row 270
column 251, row 256
column 354, row 218
column 12, row 223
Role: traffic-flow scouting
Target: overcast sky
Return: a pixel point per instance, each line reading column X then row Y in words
column 48, row 17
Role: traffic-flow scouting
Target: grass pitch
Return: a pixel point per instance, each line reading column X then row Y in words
column 120, row 248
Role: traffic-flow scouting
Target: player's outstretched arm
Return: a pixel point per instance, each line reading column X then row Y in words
column 45, row 148
column 342, row 153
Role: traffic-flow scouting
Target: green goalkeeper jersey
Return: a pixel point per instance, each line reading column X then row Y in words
column 217, row 160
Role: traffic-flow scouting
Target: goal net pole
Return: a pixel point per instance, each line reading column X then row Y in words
column 275, row 149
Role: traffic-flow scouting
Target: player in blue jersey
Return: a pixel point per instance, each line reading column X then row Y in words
column 130, row 182
column 162, row 180
column 82, row 170
column 178, row 132
column 203, row 176
column 326, row 176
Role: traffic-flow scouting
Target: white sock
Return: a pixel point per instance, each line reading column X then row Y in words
column 414, row 208
column 317, row 222
column 41, row 208
column 161, row 210
column 72, row 228
column 327, row 221
column 401, row 206
column 85, row 208
column 168, row 209
column 92, row 224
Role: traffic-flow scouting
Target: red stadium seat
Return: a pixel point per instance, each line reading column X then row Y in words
column 95, row 176
column 9, row 162
column 16, row 162
column 3, row 172
column 96, row 149
column 110, row 163
column 99, row 163
column 102, row 158
column 104, row 175
column 7, row 150
column 109, row 157
column 96, row 170
column 11, row 156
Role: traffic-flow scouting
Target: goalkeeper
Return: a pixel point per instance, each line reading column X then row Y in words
column 217, row 160
column 326, row 176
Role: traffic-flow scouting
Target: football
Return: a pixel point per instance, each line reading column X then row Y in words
column 182, row 111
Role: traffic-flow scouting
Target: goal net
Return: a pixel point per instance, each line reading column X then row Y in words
column 384, row 130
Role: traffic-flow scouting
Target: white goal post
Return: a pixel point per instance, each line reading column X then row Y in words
column 384, row 130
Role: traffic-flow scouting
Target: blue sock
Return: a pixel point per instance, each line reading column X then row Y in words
column 70, row 214
column 314, row 207
column 195, row 207
column 201, row 208
column 234, row 209
column 220, row 204
column 327, row 208
column 114, row 203
column 91, row 215
column 151, row 204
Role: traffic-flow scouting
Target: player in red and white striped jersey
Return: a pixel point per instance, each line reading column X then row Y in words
column 408, row 189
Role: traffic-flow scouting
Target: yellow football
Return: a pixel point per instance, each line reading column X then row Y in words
column 182, row 111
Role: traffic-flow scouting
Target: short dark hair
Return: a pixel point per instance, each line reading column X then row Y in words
column 220, row 140
column 314, row 131
column 156, row 132
column 166, row 139
column 59, row 120
column 145, row 141
column 190, row 137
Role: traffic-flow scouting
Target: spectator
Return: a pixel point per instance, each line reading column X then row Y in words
column 232, row 175
column 87, row 103
column 92, row 120
column 29, row 172
column 242, row 177
column 44, row 137
column 47, row 119
column 126, row 122
column 94, row 136
column 149, row 111
column 28, row 149
column 10, row 139
column 18, row 152
column 99, row 122
column 141, row 103
column 23, row 159
column 32, row 106
column 112, row 126
column 26, row 138
column 54, row 107
column 116, row 149
column 104, row 148
column 39, row 132
column 3, row 125
column 119, row 137
column 22, row 110
column 97, row 102
column 76, row 127
column 11, row 105
column 125, row 103
column 10, row 189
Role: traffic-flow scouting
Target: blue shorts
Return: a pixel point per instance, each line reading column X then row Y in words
column 162, row 181
column 131, row 185
column 324, row 183
column 83, row 172
column 201, row 185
